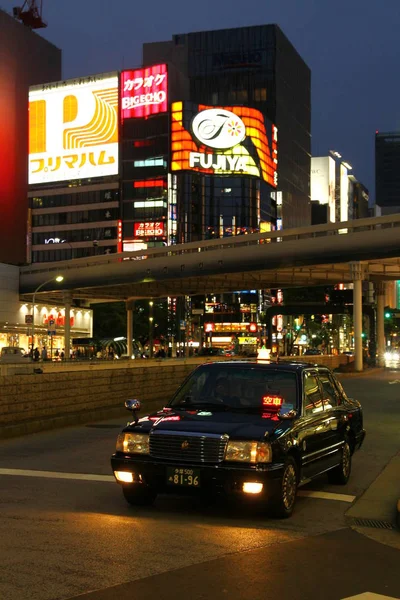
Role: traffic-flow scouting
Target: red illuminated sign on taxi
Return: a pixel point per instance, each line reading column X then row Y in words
column 272, row 400
column 153, row 228
column 144, row 92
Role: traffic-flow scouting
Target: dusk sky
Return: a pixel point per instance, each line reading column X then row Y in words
column 352, row 48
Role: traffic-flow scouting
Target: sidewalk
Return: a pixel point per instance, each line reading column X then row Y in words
column 376, row 513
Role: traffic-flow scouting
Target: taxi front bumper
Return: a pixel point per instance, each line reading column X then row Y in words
column 221, row 479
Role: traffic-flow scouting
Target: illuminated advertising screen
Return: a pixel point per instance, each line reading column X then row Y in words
column 153, row 228
column 144, row 92
column 73, row 129
column 230, row 140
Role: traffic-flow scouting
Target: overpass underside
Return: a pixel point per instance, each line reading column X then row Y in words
column 318, row 255
column 351, row 252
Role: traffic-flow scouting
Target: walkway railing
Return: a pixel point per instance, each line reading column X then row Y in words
column 285, row 235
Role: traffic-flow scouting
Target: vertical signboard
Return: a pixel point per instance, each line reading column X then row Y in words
column 144, row 92
column 73, row 129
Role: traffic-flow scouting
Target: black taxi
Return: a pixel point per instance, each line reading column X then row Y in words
column 256, row 429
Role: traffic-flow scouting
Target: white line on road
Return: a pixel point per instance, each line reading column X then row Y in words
column 110, row 478
column 370, row 596
column 327, row 496
column 56, row 475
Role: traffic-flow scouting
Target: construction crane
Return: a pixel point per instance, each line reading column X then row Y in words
column 30, row 14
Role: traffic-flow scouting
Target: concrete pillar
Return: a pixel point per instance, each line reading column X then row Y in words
column 356, row 269
column 129, row 327
column 380, row 290
column 67, row 324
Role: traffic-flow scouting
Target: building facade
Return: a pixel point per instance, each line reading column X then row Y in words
column 255, row 67
column 336, row 194
column 74, row 167
column 387, row 171
column 16, row 318
column 26, row 59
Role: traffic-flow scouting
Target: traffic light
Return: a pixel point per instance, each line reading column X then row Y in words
column 388, row 314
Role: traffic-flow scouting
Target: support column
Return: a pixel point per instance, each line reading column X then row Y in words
column 67, row 325
column 356, row 269
column 380, row 290
column 129, row 326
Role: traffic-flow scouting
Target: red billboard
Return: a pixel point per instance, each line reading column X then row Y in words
column 144, row 92
column 153, row 228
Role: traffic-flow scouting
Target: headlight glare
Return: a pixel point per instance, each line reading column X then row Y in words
column 133, row 443
column 250, row 452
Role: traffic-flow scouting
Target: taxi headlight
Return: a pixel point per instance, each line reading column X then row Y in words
column 133, row 443
column 250, row 452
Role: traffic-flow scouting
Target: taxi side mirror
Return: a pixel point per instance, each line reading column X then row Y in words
column 133, row 405
column 286, row 414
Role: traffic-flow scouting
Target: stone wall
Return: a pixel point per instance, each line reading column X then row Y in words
column 30, row 403
column 68, row 394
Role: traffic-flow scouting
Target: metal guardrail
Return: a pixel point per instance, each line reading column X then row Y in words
column 284, row 235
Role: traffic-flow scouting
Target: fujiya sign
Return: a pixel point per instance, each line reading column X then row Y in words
column 223, row 141
column 218, row 128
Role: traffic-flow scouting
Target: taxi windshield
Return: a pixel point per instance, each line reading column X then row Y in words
column 239, row 387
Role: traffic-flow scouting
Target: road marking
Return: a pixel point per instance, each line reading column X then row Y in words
column 326, row 496
column 394, row 381
column 56, row 475
column 370, row 596
column 111, row 479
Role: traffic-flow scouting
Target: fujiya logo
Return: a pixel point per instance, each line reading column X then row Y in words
column 218, row 128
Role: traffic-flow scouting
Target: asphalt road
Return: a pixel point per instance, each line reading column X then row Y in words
column 65, row 534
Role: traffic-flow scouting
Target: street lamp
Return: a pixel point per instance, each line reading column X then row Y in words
column 151, row 319
column 59, row 279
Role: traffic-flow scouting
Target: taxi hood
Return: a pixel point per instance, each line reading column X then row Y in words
column 238, row 425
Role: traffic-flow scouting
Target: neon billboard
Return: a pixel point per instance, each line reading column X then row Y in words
column 144, row 92
column 73, row 129
column 230, row 140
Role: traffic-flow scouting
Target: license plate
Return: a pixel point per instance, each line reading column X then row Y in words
column 183, row 477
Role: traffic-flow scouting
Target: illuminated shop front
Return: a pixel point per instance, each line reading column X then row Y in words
column 17, row 330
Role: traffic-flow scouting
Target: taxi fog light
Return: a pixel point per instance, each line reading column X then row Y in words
column 133, row 443
column 124, row 476
column 251, row 487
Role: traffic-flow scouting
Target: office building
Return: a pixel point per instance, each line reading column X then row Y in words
column 256, row 68
column 387, row 171
column 26, row 59
column 336, row 194
column 74, row 168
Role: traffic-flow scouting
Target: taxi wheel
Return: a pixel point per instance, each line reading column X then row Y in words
column 341, row 474
column 281, row 505
column 138, row 496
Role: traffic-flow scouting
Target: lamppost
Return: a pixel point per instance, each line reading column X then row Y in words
column 151, row 319
column 59, row 279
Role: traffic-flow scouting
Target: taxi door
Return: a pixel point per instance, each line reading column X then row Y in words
column 315, row 436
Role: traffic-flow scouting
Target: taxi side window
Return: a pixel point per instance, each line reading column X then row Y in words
column 312, row 394
column 330, row 393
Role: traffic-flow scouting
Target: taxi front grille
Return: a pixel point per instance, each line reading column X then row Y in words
column 188, row 447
